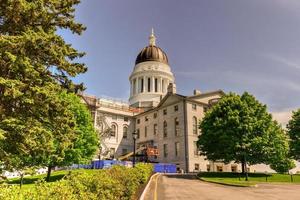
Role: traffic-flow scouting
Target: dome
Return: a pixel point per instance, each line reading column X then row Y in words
column 152, row 53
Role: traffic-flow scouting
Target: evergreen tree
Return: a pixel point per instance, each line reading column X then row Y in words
column 36, row 64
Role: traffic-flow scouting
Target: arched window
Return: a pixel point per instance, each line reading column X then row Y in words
column 113, row 130
column 176, row 126
column 125, row 130
column 165, row 129
column 195, row 124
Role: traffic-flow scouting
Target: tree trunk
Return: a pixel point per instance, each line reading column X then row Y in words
column 48, row 173
column 21, row 179
column 243, row 167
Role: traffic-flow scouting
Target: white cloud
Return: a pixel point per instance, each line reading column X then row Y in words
column 284, row 61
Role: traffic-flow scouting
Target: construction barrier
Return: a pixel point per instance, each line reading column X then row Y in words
column 104, row 164
column 165, row 168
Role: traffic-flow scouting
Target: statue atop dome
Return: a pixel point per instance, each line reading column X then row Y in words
column 152, row 38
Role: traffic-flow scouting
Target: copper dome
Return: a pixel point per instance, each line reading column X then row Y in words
column 152, row 53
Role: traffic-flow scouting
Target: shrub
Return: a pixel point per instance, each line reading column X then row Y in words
column 116, row 183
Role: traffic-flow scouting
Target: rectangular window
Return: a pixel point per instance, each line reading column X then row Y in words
column 124, row 151
column 195, row 148
column 138, row 121
column 138, row 133
column 155, row 85
column 205, row 109
column 146, row 118
column 208, row 167
column 146, row 130
column 155, row 129
column 176, row 148
column 125, row 119
column 125, row 130
column 176, row 121
column 149, row 85
column 233, row 168
column 219, row 168
column 114, row 117
column 112, row 152
column 165, row 111
column 154, row 115
column 142, row 85
column 165, row 150
column 197, row 167
column 176, row 108
column 194, row 106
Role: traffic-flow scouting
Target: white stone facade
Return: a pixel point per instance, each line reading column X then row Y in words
column 163, row 119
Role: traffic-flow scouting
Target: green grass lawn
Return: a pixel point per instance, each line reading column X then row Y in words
column 29, row 181
column 253, row 179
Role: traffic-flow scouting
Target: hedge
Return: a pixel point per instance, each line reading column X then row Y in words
column 116, row 183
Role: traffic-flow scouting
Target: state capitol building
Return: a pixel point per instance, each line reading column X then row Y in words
column 162, row 119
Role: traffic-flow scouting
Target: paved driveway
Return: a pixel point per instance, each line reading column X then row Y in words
column 177, row 187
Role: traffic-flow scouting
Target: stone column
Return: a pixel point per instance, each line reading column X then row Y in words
column 144, row 85
column 131, row 86
column 152, row 84
column 135, row 86
column 160, row 85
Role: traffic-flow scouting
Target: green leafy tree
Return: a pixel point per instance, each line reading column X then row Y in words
column 294, row 134
column 85, row 142
column 35, row 64
column 240, row 129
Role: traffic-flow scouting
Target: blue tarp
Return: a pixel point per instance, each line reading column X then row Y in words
column 165, row 168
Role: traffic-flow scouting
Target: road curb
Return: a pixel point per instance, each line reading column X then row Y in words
column 227, row 184
column 142, row 197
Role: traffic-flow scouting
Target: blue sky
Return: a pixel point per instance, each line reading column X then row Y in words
column 234, row 45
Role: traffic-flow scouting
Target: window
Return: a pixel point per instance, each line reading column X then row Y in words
column 124, row 151
column 125, row 129
column 205, row 109
column 155, row 85
column 197, row 167
column 114, row 117
column 176, row 108
column 233, row 168
column 112, row 152
column 146, row 130
column 155, row 129
column 195, row 148
column 125, row 119
column 219, row 168
column 138, row 133
column 142, row 85
column 195, row 125
column 146, row 118
column 149, row 84
column 113, row 130
column 165, row 129
column 154, row 115
column 176, row 123
column 194, row 106
column 165, row 111
column 176, row 148
column 165, row 150
column 208, row 167
column 138, row 121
